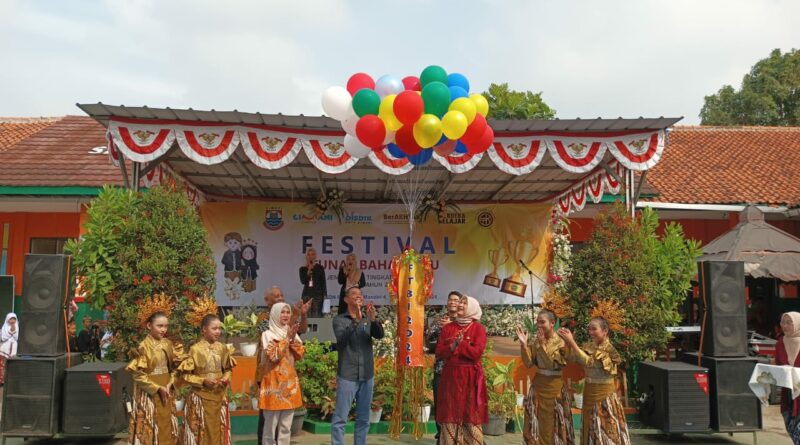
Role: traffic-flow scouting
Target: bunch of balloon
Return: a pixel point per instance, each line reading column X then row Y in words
column 412, row 117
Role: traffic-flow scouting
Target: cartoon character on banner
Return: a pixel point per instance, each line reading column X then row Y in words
column 410, row 288
column 249, row 265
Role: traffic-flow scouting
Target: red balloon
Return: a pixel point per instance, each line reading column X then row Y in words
column 486, row 140
column 474, row 131
column 408, row 107
column 359, row 81
column 404, row 138
column 412, row 83
column 371, row 131
column 446, row 148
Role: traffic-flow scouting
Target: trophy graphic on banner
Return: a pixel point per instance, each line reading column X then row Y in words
column 496, row 257
column 520, row 251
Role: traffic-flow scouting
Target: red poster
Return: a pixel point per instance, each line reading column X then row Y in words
column 104, row 380
column 702, row 380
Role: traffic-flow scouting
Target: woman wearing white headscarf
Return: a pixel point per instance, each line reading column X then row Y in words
column 786, row 353
column 462, row 408
column 8, row 343
column 280, row 387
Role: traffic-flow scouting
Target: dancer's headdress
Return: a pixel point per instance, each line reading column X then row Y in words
column 157, row 303
column 610, row 311
column 200, row 308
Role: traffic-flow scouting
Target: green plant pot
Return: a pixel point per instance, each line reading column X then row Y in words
column 495, row 427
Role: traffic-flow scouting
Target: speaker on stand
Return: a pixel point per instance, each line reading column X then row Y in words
column 724, row 318
column 94, row 399
column 45, row 293
column 674, row 397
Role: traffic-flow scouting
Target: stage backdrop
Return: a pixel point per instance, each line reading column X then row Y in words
column 260, row 244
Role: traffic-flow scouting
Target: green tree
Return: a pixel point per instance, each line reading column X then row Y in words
column 505, row 103
column 138, row 245
column 769, row 95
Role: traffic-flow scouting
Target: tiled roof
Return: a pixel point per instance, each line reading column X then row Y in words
column 59, row 155
column 15, row 129
column 730, row 165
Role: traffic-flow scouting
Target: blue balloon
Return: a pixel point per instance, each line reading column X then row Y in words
column 395, row 151
column 460, row 147
column 458, row 80
column 388, row 84
column 442, row 140
column 422, row 157
column 456, row 92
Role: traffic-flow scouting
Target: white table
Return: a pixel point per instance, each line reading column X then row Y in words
column 766, row 375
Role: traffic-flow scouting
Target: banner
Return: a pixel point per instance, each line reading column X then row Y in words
column 257, row 245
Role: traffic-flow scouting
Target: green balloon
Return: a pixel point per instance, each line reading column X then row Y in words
column 366, row 102
column 436, row 96
column 433, row 73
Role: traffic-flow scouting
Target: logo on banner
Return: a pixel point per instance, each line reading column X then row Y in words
column 353, row 218
column 702, row 379
column 485, row 218
column 395, row 218
column 104, row 380
column 451, row 218
column 273, row 218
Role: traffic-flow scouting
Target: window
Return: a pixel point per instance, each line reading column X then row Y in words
column 51, row 246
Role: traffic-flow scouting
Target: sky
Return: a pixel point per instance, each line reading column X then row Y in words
column 589, row 58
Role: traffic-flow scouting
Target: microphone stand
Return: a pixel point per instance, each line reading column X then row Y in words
column 530, row 286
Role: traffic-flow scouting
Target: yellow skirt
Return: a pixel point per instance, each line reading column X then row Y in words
column 548, row 414
column 603, row 416
column 153, row 422
column 206, row 421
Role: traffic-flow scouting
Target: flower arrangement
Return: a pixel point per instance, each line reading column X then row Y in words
column 560, row 253
column 438, row 205
column 502, row 320
column 330, row 202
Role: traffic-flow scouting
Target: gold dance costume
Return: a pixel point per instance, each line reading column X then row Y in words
column 603, row 415
column 207, row 421
column 548, row 414
column 154, row 366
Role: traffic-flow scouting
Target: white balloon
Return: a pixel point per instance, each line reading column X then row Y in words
column 388, row 84
column 354, row 147
column 389, row 137
column 349, row 124
column 336, row 102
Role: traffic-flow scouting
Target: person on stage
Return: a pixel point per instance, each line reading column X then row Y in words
column 299, row 315
column 315, row 287
column 603, row 416
column 355, row 374
column 548, row 414
column 787, row 354
column 432, row 339
column 208, row 369
column 462, row 401
column 279, row 392
column 154, row 420
column 9, row 337
column 350, row 275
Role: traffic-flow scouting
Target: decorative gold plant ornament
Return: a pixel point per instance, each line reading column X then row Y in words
column 610, row 311
column 557, row 302
column 157, row 303
column 200, row 308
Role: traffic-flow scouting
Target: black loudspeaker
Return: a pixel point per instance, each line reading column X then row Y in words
column 734, row 408
column 32, row 395
column 675, row 397
column 45, row 289
column 725, row 333
column 94, row 399
column 6, row 295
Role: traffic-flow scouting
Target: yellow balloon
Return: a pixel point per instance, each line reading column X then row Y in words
column 466, row 106
column 427, row 130
column 386, row 113
column 454, row 124
column 481, row 104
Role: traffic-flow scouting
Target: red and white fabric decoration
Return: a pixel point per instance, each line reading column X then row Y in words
column 269, row 149
column 459, row 162
column 160, row 174
column 389, row 164
column 592, row 187
column 142, row 141
column 517, row 156
column 207, row 144
column 328, row 154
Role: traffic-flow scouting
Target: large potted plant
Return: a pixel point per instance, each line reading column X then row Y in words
column 502, row 399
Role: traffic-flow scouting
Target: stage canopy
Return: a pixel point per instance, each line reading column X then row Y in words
column 237, row 155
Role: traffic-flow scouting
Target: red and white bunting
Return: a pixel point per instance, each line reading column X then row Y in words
column 389, row 164
column 328, row 154
column 575, row 154
column 592, row 187
column 638, row 151
column 162, row 173
column 141, row 142
column 269, row 149
column 517, row 156
column 458, row 162
column 207, row 145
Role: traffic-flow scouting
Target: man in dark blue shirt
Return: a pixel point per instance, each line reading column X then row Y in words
column 355, row 374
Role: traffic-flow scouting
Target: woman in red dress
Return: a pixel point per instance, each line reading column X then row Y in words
column 787, row 352
column 462, row 409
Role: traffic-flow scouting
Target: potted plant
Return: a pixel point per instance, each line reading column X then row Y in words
column 298, row 419
column 577, row 393
column 253, row 393
column 234, row 399
column 180, row 397
column 252, row 333
column 502, row 399
column 425, row 409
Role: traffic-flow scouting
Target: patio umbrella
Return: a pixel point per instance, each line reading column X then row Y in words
column 767, row 251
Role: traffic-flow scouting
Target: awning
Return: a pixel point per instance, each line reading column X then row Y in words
column 252, row 155
column 767, row 251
